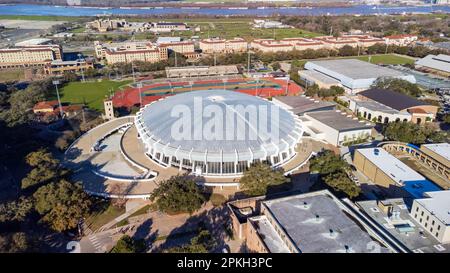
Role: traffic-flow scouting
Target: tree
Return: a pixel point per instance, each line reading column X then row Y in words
column 178, row 194
column 45, row 168
column 347, row 51
column 16, row 210
column 333, row 171
column 259, row 177
column 62, row 204
column 327, row 162
column 16, row 242
column 126, row 244
column 398, row 85
column 340, row 181
column 405, row 132
column 201, row 243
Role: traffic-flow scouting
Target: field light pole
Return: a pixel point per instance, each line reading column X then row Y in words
column 82, row 70
column 139, row 85
column 56, row 82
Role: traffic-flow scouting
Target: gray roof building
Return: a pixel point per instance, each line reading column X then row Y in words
column 302, row 104
column 395, row 100
column 440, row 62
column 354, row 74
column 315, row 222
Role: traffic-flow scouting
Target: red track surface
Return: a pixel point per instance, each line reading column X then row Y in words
column 130, row 96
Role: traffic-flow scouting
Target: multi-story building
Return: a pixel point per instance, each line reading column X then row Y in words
column 130, row 51
column 38, row 55
column 271, row 45
column 167, row 27
column 186, row 48
column 385, row 106
column 59, row 67
column 223, row 46
column 400, row 40
column 432, row 213
column 104, row 25
column 314, row 222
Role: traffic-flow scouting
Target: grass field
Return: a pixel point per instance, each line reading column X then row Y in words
column 229, row 28
column 91, row 93
column 11, row 75
column 96, row 221
column 384, row 59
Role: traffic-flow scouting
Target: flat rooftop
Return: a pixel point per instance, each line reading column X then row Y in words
column 438, row 62
column 269, row 235
column 404, row 228
column 390, row 165
column 376, row 106
column 302, row 104
column 318, row 222
column 313, row 75
column 339, row 120
column 438, row 203
column 356, row 69
column 442, row 149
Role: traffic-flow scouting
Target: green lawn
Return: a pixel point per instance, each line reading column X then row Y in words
column 91, row 93
column 387, row 59
column 96, row 221
column 375, row 59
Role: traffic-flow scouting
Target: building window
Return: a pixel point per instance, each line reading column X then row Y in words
column 432, row 223
column 426, row 224
column 420, row 221
column 417, row 208
column 439, row 228
column 437, row 234
column 428, row 217
column 415, row 215
column 431, row 229
column 421, row 214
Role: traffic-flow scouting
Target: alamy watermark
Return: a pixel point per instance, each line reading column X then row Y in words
column 222, row 121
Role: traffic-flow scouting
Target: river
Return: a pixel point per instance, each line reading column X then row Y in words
column 92, row 11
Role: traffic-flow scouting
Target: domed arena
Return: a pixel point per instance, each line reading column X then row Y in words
column 217, row 132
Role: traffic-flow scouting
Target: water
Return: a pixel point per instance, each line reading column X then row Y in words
column 92, row 11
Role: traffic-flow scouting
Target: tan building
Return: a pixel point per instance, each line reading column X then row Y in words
column 59, row 67
column 29, row 56
column 304, row 223
column 185, row 48
column 400, row 40
column 130, row 51
column 439, row 152
column 104, row 25
column 272, row 46
column 199, row 71
column 395, row 178
column 210, row 46
column 168, row 27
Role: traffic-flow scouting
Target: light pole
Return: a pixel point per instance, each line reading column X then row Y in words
column 132, row 70
column 82, row 71
column 139, row 85
column 56, row 82
column 287, row 84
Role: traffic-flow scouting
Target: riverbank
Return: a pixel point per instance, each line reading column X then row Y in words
column 265, row 11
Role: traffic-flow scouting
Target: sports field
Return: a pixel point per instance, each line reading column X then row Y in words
column 267, row 87
column 382, row 59
column 90, row 93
